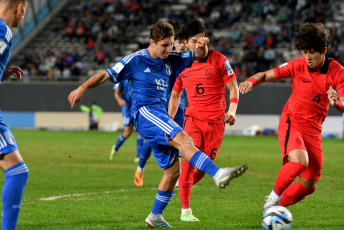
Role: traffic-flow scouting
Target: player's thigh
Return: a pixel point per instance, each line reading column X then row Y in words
column 289, row 139
column 192, row 128
column 315, row 156
column 10, row 159
column 213, row 139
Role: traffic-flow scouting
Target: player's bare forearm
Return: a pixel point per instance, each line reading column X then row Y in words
column 97, row 79
column 118, row 98
column 256, row 80
column 234, row 99
column 334, row 101
column 173, row 104
column 202, row 48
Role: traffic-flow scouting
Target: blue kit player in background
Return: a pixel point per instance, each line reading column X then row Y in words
column 11, row 163
column 148, row 72
column 146, row 150
column 122, row 95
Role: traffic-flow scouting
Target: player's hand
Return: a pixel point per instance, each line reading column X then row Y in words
column 75, row 96
column 332, row 96
column 202, row 41
column 121, row 102
column 14, row 71
column 230, row 118
column 245, row 87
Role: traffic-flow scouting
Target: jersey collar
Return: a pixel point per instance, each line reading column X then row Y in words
column 324, row 68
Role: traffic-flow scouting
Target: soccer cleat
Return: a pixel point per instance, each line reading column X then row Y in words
column 137, row 159
column 228, row 174
column 156, row 221
column 269, row 202
column 138, row 179
column 188, row 217
column 112, row 152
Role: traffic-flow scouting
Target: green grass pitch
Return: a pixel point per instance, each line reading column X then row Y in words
column 73, row 185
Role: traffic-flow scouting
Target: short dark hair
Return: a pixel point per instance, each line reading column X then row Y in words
column 312, row 36
column 161, row 30
column 179, row 37
column 192, row 28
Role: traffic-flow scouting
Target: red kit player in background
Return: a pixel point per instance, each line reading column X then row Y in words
column 205, row 84
column 317, row 82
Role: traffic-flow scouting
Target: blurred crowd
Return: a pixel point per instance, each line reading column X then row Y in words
column 247, row 31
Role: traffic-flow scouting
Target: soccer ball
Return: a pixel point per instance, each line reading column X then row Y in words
column 277, row 218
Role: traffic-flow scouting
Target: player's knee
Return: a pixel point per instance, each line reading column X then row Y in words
column 310, row 185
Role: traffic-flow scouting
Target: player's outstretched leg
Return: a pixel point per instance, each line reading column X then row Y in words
column 114, row 149
column 112, row 152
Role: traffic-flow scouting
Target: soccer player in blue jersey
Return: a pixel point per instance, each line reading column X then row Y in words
column 123, row 98
column 148, row 72
column 11, row 163
column 179, row 118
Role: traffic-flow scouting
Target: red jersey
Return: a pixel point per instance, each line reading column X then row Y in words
column 205, row 88
column 308, row 104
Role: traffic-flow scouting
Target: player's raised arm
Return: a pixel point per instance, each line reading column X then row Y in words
column 201, row 50
column 174, row 103
column 256, row 80
column 233, row 102
column 97, row 79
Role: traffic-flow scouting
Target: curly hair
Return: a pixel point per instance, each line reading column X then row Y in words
column 161, row 30
column 312, row 36
column 193, row 28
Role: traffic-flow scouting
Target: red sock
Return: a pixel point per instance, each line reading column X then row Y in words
column 197, row 177
column 294, row 193
column 185, row 184
column 287, row 175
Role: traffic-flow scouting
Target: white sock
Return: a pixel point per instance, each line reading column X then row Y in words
column 185, row 210
column 139, row 169
column 273, row 195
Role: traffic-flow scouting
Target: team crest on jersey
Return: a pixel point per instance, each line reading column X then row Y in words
column 9, row 138
column 168, row 69
column 208, row 75
column 228, row 68
column 172, row 122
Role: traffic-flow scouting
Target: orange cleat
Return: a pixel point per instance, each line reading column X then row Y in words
column 138, row 179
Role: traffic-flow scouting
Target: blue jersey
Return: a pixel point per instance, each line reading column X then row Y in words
column 149, row 78
column 124, row 90
column 5, row 46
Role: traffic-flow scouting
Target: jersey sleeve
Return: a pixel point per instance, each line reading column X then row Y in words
column 178, row 85
column 5, row 36
column 225, row 69
column 284, row 70
column 340, row 83
column 120, row 71
column 187, row 58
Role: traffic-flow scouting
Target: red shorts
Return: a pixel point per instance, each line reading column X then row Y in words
column 291, row 138
column 205, row 135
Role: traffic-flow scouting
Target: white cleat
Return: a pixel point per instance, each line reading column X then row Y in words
column 270, row 202
column 228, row 174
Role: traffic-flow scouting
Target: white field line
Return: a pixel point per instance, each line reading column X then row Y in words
column 52, row 198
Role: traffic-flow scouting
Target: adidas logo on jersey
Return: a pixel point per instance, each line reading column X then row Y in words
column 147, row 70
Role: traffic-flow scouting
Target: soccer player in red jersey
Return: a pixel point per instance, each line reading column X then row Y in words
column 317, row 82
column 205, row 84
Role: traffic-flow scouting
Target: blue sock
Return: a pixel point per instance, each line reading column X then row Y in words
column 161, row 201
column 146, row 151
column 201, row 161
column 120, row 141
column 139, row 143
column 12, row 193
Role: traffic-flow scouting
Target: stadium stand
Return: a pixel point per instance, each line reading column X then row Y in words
column 86, row 36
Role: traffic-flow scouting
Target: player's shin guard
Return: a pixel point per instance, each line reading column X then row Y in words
column 120, row 141
column 287, row 175
column 185, row 184
column 12, row 193
column 161, row 201
column 139, row 143
column 201, row 161
column 146, row 151
column 197, row 177
column 294, row 193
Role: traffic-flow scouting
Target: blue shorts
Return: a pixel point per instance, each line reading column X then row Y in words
column 179, row 118
column 127, row 115
column 7, row 141
column 154, row 125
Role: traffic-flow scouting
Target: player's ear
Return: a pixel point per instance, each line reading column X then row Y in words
column 185, row 43
column 18, row 8
column 151, row 42
column 324, row 50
